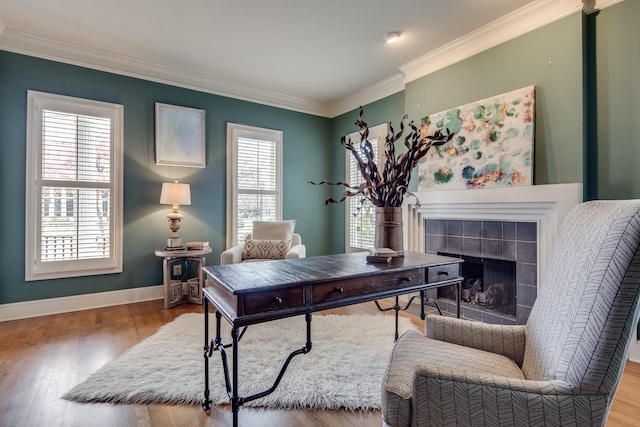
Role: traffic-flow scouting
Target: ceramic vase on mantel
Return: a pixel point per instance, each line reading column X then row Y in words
column 389, row 229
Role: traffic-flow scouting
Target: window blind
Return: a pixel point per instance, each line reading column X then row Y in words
column 75, row 192
column 361, row 210
column 256, row 183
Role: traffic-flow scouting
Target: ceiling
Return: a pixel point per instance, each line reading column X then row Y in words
column 295, row 52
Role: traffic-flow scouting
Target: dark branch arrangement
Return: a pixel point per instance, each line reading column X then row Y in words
column 386, row 187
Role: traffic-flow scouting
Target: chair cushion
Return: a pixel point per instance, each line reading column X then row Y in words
column 273, row 230
column 413, row 350
column 265, row 249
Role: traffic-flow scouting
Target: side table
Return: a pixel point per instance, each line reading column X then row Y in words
column 173, row 288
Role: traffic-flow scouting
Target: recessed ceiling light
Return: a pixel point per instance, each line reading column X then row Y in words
column 391, row 36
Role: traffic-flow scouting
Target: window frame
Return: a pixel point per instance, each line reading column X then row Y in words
column 234, row 132
column 35, row 269
column 380, row 133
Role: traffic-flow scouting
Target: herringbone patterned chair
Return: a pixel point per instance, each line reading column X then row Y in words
column 560, row 369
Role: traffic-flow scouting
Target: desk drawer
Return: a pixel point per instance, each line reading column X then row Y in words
column 443, row 272
column 365, row 285
column 272, row 300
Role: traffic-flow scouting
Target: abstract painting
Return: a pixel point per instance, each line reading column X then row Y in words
column 492, row 146
column 180, row 136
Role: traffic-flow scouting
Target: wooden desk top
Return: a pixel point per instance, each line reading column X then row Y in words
column 260, row 276
column 259, row 291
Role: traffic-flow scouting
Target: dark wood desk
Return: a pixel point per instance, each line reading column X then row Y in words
column 250, row 293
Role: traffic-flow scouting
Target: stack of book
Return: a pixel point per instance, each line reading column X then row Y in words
column 197, row 246
column 383, row 255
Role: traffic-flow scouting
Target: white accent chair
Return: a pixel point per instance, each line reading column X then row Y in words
column 560, row 369
column 276, row 231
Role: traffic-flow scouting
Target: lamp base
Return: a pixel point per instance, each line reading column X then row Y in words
column 174, row 244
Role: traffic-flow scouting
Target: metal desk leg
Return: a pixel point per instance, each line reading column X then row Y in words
column 458, row 297
column 235, row 400
column 397, row 308
column 231, row 381
column 208, row 348
column 425, row 299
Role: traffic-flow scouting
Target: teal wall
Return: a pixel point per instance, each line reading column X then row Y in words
column 617, row 55
column 617, row 96
column 306, row 157
column 518, row 63
column 312, row 144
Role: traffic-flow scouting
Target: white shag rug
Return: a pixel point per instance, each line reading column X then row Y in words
column 343, row 370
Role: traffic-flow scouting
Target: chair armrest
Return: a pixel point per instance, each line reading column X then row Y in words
column 296, row 251
column 548, row 402
column 497, row 382
column 232, row 255
column 507, row 340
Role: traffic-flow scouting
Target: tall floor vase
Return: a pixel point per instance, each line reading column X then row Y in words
column 389, row 229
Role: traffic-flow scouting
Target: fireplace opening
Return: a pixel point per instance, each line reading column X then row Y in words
column 489, row 284
column 499, row 268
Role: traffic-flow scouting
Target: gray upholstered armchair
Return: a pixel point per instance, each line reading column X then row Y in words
column 561, row 368
column 268, row 240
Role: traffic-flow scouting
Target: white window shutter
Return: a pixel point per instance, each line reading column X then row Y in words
column 360, row 213
column 74, row 187
column 254, row 189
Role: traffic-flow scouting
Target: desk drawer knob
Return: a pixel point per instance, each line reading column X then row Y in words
column 405, row 279
column 277, row 300
column 443, row 273
column 339, row 289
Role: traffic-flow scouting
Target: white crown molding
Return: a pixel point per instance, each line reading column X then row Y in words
column 517, row 23
column 45, row 307
column 603, row 4
column 589, row 6
column 521, row 21
column 393, row 84
column 592, row 6
column 69, row 53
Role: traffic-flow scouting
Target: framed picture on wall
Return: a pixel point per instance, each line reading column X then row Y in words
column 492, row 145
column 180, row 136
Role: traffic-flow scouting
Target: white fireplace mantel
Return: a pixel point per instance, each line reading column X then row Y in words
column 546, row 205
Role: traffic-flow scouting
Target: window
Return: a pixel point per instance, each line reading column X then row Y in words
column 361, row 215
column 254, row 179
column 74, row 187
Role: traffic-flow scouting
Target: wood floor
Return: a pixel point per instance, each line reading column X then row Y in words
column 42, row 358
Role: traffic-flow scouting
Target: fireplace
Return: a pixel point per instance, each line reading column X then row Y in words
column 499, row 269
column 510, row 228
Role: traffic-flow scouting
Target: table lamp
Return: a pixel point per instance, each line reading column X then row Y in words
column 175, row 193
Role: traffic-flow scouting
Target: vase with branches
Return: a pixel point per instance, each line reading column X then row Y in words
column 387, row 186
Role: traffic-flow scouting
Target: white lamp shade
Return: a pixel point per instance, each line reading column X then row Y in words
column 174, row 193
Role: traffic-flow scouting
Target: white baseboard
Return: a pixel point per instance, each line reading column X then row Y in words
column 634, row 352
column 22, row 310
